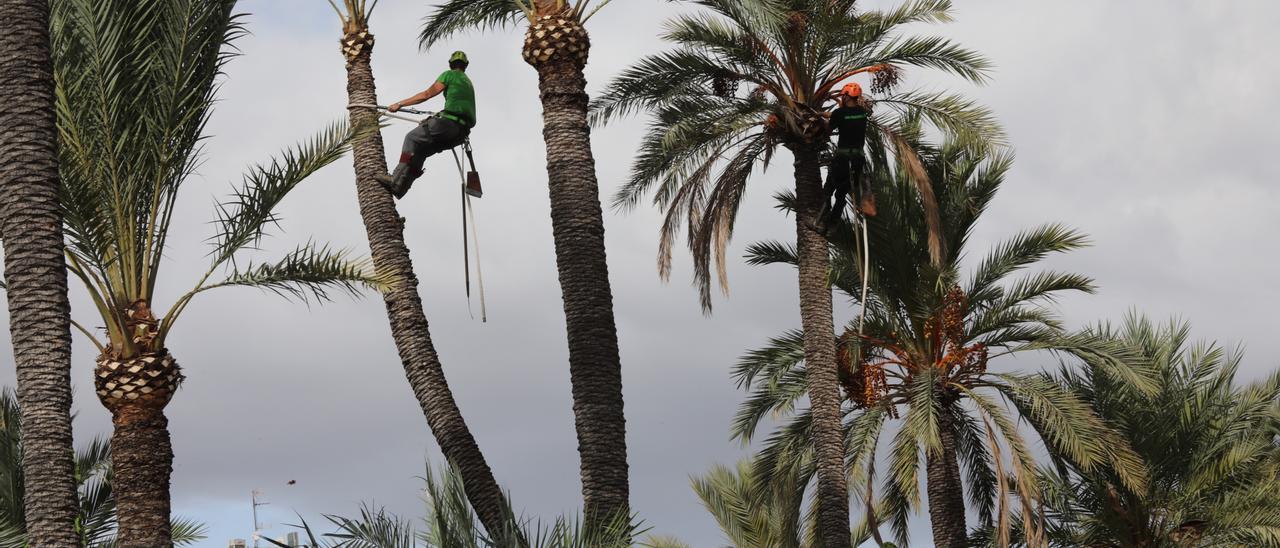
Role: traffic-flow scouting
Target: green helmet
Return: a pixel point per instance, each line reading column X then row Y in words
column 459, row 56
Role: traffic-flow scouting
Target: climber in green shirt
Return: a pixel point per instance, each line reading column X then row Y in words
column 443, row 131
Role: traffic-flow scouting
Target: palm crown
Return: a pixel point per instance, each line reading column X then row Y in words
column 134, row 95
column 926, row 345
column 1209, row 442
column 790, row 54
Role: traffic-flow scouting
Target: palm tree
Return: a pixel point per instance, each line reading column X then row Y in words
column 751, row 512
column 451, row 523
column 136, row 84
column 754, row 510
column 557, row 46
column 31, row 227
column 1211, row 446
column 792, row 54
column 390, row 255
column 921, row 359
column 95, row 522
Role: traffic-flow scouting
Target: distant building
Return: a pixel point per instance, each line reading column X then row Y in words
column 237, row 543
column 290, row 539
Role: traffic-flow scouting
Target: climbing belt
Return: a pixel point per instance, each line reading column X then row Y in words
column 467, row 211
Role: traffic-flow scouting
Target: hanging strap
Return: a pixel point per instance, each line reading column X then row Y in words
column 862, row 246
column 466, row 263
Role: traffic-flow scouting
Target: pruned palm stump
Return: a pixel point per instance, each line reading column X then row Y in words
column 556, row 35
column 405, row 313
column 146, row 382
column 557, row 46
column 136, row 84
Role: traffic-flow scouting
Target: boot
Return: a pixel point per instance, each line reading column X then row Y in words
column 396, row 182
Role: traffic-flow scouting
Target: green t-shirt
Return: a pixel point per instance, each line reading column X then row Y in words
column 459, row 96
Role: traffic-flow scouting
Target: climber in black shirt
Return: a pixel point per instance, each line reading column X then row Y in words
column 849, row 122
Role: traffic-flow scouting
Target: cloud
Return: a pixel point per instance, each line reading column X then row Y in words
column 1147, row 125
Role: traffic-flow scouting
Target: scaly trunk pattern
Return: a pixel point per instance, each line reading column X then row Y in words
column 409, row 326
column 578, row 227
column 136, row 390
column 820, row 350
column 142, row 463
column 946, row 494
column 39, row 314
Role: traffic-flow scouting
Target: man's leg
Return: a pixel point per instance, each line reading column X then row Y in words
column 412, row 154
column 837, row 185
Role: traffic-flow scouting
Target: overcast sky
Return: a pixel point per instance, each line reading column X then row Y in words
column 1148, row 125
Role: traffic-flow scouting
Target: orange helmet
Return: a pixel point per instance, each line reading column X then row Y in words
column 852, row 90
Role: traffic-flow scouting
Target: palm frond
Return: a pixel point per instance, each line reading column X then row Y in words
column 1018, row 252
column 374, row 528
column 455, row 16
column 307, row 272
column 188, row 532
column 136, row 85
column 932, row 52
column 748, row 512
column 243, row 220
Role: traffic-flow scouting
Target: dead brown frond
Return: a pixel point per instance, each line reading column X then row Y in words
column 685, row 205
column 911, row 161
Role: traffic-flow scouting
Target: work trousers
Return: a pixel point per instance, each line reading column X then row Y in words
column 433, row 136
column 844, row 174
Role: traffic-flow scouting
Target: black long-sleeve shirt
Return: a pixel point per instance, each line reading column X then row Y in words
column 850, row 123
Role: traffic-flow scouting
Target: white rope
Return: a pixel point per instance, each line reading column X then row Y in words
column 866, row 270
column 862, row 247
column 475, row 239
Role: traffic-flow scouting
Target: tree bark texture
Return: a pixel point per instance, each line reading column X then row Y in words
column 578, row 228
column 409, row 326
column 946, row 492
column 142, row 463
column 39, row 313
column 820, row 350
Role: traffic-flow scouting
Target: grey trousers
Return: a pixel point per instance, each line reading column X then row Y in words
column 433, row 136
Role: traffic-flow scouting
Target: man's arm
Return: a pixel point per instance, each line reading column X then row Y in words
column 435, row 89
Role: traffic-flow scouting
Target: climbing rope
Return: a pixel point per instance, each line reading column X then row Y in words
column 467, row 211
column 866, row 268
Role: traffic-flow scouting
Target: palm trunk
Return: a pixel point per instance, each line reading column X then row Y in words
column 142, row 462
column 946, row 495
column 409, row 325
column 39, row 313
column 578, row 227
column 820, row 350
